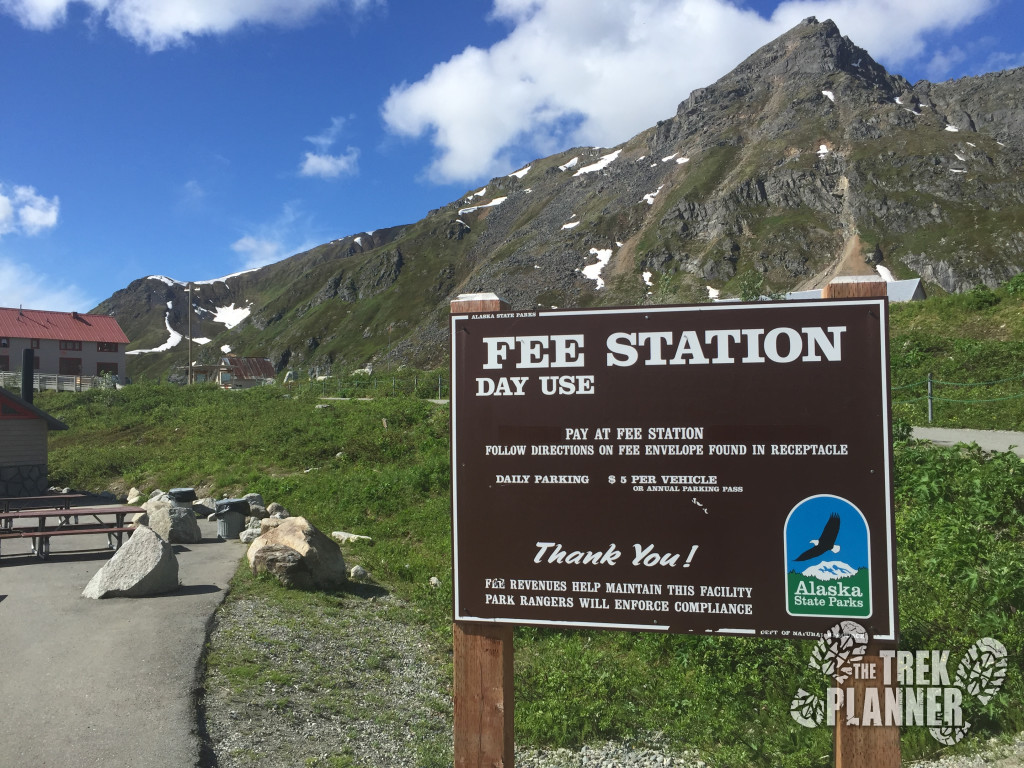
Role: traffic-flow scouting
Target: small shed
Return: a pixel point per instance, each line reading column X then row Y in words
column 237, row 372
column 23, row 452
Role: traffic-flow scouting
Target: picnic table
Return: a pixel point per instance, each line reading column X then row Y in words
column 51, row 501
column 65, row 522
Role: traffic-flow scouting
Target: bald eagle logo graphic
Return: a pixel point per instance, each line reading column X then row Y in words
column 824, row 543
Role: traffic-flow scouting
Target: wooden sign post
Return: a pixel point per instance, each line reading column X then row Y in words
column 867, row 746
column 484, row 699
column 864, row 746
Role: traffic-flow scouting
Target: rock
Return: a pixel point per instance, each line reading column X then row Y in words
column 286, row 564
column 154, row 494
column 258, row 511
column 255, row 498
column 276, row 510
column 268, row 524
column 321, row 555
column 248, row 536
column 435, row 582
column 358, row 573
column 345, row 538
column 139, row 519
column 144, row 565
column 176, row 525
column 134, row 496
column 204, row 507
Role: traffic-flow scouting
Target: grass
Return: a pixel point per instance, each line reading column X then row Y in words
column 381, row 468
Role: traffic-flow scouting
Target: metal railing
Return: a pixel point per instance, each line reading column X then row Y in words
column 930, row 384
column 11, row 380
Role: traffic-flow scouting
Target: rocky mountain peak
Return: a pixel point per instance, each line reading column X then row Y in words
column 805, row 161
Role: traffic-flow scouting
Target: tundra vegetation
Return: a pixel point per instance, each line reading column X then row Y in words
column 380, row 467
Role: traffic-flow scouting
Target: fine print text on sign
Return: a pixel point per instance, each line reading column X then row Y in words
column 719, row 469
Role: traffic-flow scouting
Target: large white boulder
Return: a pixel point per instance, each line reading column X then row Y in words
column 144, row 565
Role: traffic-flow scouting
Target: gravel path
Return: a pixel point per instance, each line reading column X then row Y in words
column 342, row 681
column 350, row 680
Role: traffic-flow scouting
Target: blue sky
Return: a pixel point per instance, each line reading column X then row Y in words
column 198, row 138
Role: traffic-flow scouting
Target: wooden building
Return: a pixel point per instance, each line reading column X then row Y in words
column 236, row 372
column 64, row 343
column 23, row 450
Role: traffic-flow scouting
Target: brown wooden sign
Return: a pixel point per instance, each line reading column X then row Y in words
column 721, row 469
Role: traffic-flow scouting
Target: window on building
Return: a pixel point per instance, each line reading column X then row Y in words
column 106, row 346
column 5, row 362
column 103, row 368
column 70, row 366
column 35, row 344
column 4, row 341
column 73, row 346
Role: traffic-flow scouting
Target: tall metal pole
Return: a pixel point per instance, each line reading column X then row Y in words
column 190, row 332
column 929, row 397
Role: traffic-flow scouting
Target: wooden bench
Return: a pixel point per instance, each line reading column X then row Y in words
column 41, row 539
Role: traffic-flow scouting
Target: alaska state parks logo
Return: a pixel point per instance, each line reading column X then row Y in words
column 828, row 561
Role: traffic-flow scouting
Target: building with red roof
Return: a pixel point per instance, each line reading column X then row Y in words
column 65, row 343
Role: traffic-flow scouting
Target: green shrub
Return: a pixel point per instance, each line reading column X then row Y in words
column 981, row 297
column 1015, row 285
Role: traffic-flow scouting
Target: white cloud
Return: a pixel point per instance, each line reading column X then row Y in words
column 323, row 141
column 24, row 287
column 258, row 251
column 24, row 212
column 157, row 24
column 322, row 163
column 585, row 73
column 1003, row 60
column 192, row 191
column 330, row 166
column 275, row 240
column 943, row 61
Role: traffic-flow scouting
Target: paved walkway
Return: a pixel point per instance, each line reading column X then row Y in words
column 988, row 439
column 103, row 682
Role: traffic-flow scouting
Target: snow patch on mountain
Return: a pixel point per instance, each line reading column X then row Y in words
column 231, row 316
column 601, row 164
column 604, row 255
column 496, row 201
column 173, row 340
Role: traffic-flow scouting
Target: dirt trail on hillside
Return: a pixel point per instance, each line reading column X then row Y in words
column 849, row 263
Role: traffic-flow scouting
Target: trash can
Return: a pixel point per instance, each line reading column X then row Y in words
column 231, row 518
column 229, row 525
